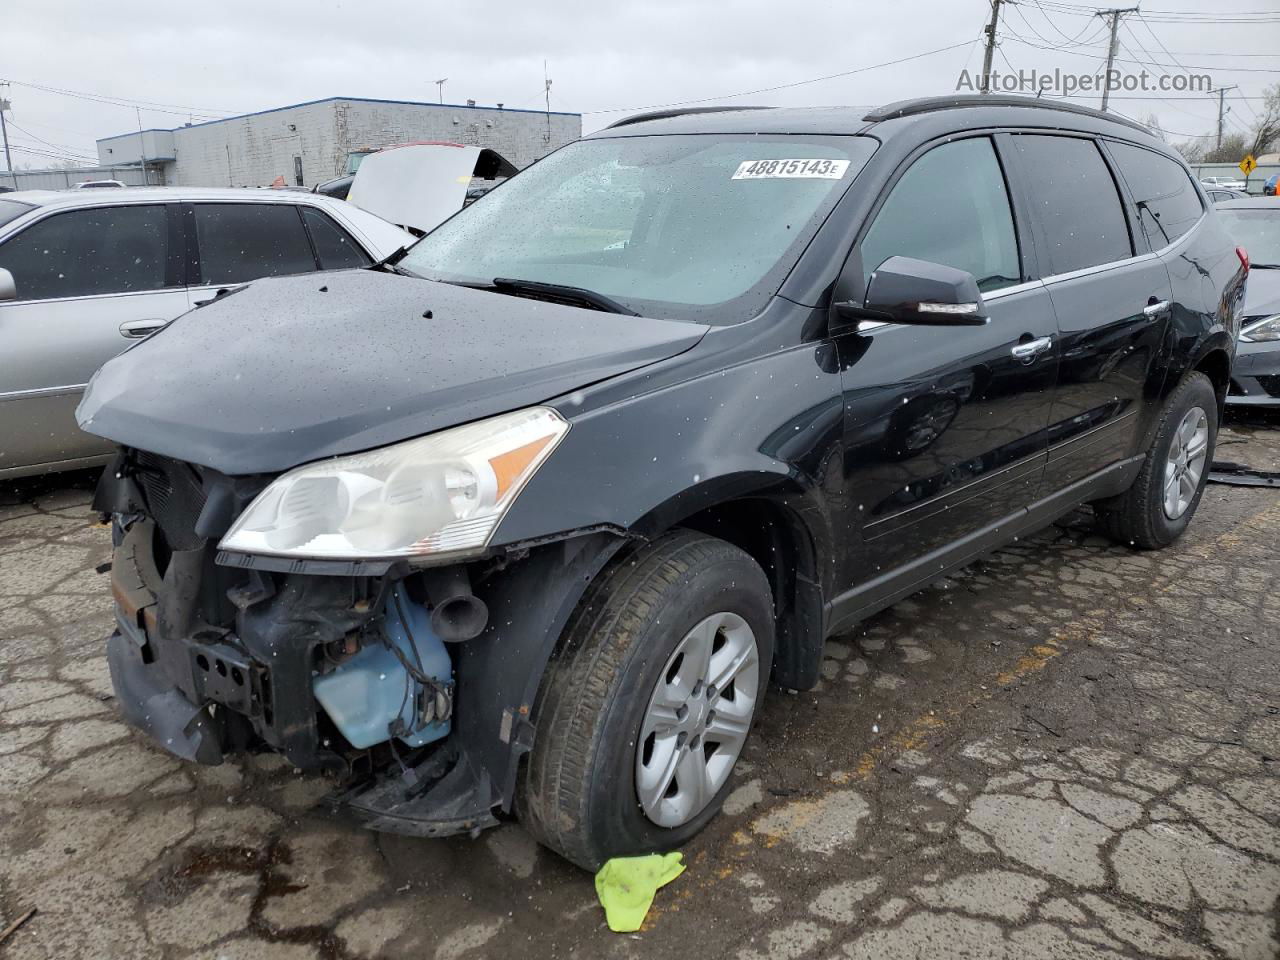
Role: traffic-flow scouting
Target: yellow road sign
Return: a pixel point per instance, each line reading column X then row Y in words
column 1248, row 165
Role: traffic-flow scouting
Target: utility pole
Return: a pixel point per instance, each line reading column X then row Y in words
column 990, row 31
column 1222, row 109
column 4, row 135
column 440, row 88
column 1115, row 16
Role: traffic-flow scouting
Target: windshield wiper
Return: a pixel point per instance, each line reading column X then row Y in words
column 1264, row 266
column 561, row 293
column 389, row 263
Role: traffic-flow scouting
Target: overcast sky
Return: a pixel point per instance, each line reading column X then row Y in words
column 200, row 60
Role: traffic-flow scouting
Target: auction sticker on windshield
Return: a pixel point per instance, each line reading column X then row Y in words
column 791, row 169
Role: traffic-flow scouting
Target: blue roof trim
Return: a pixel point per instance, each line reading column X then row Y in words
column 312, row 103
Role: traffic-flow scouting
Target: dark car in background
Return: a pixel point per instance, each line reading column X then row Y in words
column 1222, row 194
column 527, row 519
column 1255, row 225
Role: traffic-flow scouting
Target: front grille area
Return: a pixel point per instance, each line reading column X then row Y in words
column 175, row 498
column 1270, row 383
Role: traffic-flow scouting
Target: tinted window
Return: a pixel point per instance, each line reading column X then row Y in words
column 89, row 252
column 1168, row 204
column 951, row 208
column 334, row 246
column 1077, row 202
column 244, row 241
column 12, row 209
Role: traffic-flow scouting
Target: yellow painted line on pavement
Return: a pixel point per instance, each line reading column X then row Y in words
column 796, row 815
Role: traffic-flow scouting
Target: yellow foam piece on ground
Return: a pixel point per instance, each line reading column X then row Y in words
column 626, row 887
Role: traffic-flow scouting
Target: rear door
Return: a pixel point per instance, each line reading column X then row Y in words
column 1111, row 300
column 90, row 282
column 945, row 426
column 234, row 243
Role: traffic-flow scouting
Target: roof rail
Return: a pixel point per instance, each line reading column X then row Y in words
column 674, row 112
column 910, row 108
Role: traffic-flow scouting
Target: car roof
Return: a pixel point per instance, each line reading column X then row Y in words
column 1252, row 203
column 47, row 199
column 956, row 112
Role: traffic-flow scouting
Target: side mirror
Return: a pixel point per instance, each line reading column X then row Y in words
column 8, row 288
column 905, row 290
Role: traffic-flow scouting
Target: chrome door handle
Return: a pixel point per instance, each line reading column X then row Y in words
column 1026, row 352
column 137, row 329
column 1155, row 309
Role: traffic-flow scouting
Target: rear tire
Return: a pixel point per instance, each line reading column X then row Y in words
column 1155, row 511
column 624, row 651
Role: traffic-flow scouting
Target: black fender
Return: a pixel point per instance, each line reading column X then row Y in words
column 647, row 458
column 499, row 672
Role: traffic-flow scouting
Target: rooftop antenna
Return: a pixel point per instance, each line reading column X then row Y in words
column 546, row 88
column 142, row 149
column 440, row 88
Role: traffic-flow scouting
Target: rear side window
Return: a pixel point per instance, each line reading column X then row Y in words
column 334, row 246
column 951, row 208
column 1168, row 204
column 12, row 209
column 245, row 241
column 84, row 253
column 1076, row 201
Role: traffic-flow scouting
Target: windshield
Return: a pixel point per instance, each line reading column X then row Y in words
column 1258, row 231
column 695, row 227
column 12, row 209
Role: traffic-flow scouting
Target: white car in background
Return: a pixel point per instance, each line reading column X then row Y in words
column 84, row 273
column 1227, row 183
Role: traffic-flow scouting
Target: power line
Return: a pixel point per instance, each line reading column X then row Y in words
column 1094, row 56
column 1172, row 16
column 783, row 86
column 169, row 108
column 1075, row 41
column 48, row 154
column 57, row 146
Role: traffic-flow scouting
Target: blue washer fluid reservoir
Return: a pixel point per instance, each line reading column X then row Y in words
column 366, row 693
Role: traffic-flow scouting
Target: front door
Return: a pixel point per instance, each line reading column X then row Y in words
column 90, row 282
column 945, row 427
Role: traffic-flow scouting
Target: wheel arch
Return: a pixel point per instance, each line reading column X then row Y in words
column 1215, row 363
column 784, row 531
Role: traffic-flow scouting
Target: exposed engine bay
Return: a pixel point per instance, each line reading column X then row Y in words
column 385, row 678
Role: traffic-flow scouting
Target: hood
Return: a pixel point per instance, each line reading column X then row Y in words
column 290, row 370
column 421, row 185
column 1262, row 293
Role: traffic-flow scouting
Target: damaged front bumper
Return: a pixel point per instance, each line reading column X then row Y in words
column 340, row 673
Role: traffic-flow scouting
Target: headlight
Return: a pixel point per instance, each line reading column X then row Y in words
column 1262, row 331
column 439, row 494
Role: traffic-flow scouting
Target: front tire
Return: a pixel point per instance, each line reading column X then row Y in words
column 1158, row 507
column 645, row 706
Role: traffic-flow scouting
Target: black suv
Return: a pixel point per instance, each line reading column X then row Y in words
column 526, row 519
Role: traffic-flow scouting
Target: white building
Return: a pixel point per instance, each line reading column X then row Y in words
column 308, row 143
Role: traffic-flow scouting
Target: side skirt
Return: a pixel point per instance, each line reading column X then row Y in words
column 887, row 589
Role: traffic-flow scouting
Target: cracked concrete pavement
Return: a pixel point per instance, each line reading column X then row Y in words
column 1069, row 750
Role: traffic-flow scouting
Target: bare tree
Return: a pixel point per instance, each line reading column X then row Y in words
column 1152, row 123
column 1267, row 130
column 1192, row 151
column 1233, row 149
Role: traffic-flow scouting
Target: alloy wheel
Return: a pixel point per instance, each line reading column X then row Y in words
column 1188, row 453
column 697, row 720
